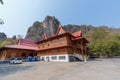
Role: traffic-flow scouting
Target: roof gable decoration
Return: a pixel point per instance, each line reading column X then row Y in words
column 77, row 34
column 44, row 36
column 60, row 30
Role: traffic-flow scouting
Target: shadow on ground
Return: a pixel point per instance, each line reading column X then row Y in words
column 95, row 59
column 11, row 69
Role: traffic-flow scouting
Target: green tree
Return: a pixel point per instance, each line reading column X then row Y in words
column 99, row 34
column 97, row 41
column 1, row 1
column 7, row 42
column 101, row 42
column 113, row 45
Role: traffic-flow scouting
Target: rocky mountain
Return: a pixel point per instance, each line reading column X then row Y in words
column 74, row 28
column 2, row 36
column 50, row 25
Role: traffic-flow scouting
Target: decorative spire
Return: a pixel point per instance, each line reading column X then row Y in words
column 80, row 33
column 60, row 30
column 44, row 36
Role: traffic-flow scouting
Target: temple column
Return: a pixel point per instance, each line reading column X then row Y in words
column 83, row 53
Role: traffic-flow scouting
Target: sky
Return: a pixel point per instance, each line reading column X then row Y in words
column 19, row 15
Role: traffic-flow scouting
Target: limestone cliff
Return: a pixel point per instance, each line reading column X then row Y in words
column 48, row 26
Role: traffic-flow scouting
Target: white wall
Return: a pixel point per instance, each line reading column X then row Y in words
column 64, row 60
column 57, row 60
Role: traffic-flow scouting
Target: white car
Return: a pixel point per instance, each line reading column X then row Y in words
column 16, row 61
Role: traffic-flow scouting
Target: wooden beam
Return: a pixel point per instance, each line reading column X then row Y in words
column 83, row 54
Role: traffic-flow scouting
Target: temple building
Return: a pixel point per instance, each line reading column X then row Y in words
column 63, row 47
column 23, row 48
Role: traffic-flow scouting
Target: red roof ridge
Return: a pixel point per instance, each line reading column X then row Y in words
column 26, row 42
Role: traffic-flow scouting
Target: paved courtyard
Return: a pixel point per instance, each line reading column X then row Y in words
column 100, row 69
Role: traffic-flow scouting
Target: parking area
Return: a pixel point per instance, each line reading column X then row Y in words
column 99, row 69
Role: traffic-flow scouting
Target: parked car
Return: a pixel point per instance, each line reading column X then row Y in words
column 16, row 61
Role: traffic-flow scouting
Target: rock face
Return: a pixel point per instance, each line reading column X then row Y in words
column 2, row 36
column 48, row 26
column 75, row 28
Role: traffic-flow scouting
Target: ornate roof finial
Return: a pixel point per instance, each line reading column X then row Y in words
column 44, row 36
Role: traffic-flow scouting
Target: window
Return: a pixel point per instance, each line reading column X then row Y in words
column 19, row 59
column 54, row 57
column 61, row 57
column 42, row 59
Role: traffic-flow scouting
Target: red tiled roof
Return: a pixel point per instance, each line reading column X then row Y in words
column 77, row 34
column 53, row 37
column 24, row 44
column 22, row 47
